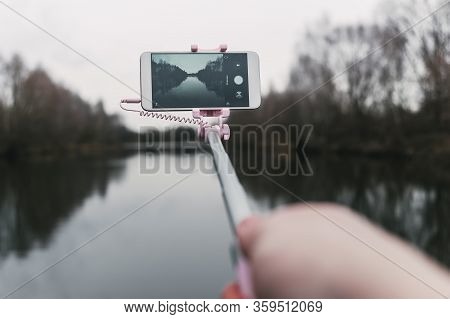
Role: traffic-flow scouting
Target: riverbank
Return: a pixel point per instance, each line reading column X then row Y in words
column 433, row 146
column 50, row 152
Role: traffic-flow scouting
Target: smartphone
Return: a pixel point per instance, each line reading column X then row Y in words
column 180, row 81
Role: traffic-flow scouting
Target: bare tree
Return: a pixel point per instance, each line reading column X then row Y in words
column 428, row 54
column 435, row 53
column 39, row 114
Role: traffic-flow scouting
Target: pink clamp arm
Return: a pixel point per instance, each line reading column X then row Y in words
column 221, row 48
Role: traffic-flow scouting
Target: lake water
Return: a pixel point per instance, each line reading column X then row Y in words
column 178, row 244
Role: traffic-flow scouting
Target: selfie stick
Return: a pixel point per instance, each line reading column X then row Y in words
column 213, row 130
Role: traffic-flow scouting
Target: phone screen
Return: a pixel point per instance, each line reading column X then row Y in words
column 191, row 80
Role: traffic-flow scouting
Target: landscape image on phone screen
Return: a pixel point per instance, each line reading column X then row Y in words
column 190, row 80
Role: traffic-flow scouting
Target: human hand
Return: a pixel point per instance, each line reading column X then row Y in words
column 328, row 251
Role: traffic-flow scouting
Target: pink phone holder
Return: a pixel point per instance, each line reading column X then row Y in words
column 212, row 120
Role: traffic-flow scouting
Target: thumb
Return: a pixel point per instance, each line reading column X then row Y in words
column 248, row 231
column 232, row 291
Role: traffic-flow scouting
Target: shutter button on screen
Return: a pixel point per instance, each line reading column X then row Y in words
column 238, row 79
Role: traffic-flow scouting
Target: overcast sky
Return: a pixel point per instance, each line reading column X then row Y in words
column 113, row 34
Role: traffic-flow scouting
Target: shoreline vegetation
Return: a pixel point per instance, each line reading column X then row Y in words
column 394, row 102
column 40, row 118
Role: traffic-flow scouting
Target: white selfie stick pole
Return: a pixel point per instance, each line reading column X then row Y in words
column 233, row 192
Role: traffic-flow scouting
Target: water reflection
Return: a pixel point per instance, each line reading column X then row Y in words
column 178, row 245
column 36, row 197
column 175, row 246
column 408, row 200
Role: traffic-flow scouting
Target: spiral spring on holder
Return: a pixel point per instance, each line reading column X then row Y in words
column 171, row 117
column 161, row 116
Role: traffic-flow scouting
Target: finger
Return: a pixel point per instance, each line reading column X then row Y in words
column 232, row 291
column 247, row 232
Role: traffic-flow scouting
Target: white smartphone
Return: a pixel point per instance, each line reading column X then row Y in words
column 180, row 81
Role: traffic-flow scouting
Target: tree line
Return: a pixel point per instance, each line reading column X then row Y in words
column 366, row 88
column 370, row 87
column 39, row 115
